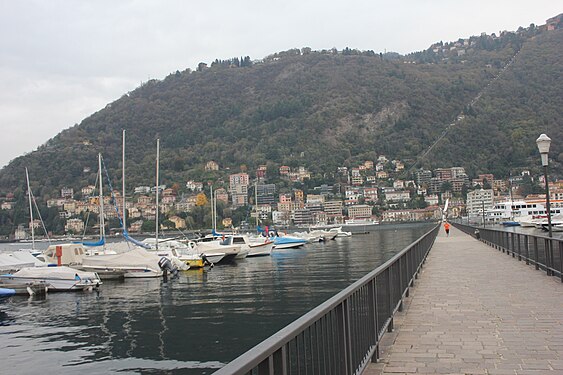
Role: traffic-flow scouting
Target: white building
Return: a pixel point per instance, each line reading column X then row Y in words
column 477, row 200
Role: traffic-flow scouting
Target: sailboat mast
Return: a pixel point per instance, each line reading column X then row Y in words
column 256, row 200
column 157, row 192
column 101, row 198
column 212, row 209
column 123, row 181
column 30, row 211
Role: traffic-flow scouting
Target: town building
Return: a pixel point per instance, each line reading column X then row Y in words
column 302, row 217
column 359, row 211
column 479, row 200
column 74, row 226
column 238, row 188
column 397, row 196
column 211, row 166
column 194, row 185
column 67, row 193
column 423, row 176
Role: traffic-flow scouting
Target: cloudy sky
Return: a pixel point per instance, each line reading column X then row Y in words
column 62, row 60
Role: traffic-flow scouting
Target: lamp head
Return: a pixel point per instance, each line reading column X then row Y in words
column 543, row 143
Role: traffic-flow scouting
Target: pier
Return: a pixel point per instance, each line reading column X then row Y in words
column 453, row 304
column 475, row 310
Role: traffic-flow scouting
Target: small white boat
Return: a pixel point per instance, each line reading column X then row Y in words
column 288, row 242
column 340, row 232
column 174, row 249
column 212, row 249
column 136, row 263
column 56, row 279
column 257, row 247
column 360, row 222
column 324, row 235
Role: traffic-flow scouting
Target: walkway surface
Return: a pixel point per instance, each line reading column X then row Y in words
column 475, row 310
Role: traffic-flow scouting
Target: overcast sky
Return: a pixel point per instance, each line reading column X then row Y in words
column 62, row 60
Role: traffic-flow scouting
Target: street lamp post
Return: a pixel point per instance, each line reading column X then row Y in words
column 543, row 143
column 483, row 210
column 482, row 191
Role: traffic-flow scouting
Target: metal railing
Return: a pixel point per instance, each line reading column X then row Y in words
column 341, row 335
column 543, row 252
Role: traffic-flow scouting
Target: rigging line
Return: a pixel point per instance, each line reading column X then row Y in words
column 461, row 115
column 39, row 214
column 113, row 200
column 88, row 215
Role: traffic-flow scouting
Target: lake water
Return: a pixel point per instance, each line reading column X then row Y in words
column 192, row 324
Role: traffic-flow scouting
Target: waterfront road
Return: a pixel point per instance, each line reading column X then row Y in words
column 475, row 310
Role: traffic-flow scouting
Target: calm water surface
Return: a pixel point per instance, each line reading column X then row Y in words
column 192, row 324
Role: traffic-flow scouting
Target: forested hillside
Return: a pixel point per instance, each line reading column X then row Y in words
column 322, row 109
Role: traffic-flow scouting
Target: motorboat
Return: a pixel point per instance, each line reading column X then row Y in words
column 57, row 279
column 7, row 292
column 11, row 264
column 288, row 242
column 340, row 232
column 360, row 222
column 209, row 246
column 308, row 236
column 324, row 235
column 261, row 246
column 187, row 254
column 136, row 263
column 510, row 223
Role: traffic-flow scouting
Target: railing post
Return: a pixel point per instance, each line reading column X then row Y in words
column 560, row 260
column 390, row 284
column 548, row 257
column 519, row 237
column 401, row 283
column 375, row 357
column 536, row 253
column 527, row 248
column 512, row 247
column 507, row 243
column 343, row 336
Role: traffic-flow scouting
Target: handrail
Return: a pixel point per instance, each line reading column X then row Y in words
column 544, row 252
column 341, row 335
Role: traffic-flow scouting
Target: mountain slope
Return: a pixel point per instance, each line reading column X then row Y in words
column 322, row 110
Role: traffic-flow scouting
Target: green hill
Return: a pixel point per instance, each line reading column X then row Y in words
column 323, row 109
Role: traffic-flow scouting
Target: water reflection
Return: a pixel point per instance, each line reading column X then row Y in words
column 192, row 324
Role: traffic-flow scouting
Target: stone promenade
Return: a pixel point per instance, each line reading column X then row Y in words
column 475, row 310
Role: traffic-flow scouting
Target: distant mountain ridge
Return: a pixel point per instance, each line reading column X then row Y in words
column 322, row 110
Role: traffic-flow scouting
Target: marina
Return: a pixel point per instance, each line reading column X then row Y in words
column 194, row 323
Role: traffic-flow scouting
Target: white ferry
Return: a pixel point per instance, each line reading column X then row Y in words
column 526, row 213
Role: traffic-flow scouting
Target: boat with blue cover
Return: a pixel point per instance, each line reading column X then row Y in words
column 288, row 242
column 7, row 292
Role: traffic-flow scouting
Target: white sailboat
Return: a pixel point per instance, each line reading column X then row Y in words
column 31, row 200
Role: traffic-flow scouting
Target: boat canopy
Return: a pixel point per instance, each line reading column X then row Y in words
column 144, row 245
column 136, row 258
column 100, row 242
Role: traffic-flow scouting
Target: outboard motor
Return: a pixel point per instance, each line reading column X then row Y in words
column 206, row 261
column 166, row 265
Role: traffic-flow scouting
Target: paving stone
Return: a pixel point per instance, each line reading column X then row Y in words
column 475, row 310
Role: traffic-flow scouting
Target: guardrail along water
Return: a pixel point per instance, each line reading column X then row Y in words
column 340, row 336
column 543, row 252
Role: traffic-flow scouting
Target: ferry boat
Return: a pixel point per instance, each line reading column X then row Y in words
column 523, row 212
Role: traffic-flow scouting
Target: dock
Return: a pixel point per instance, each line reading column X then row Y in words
column 475, row 310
